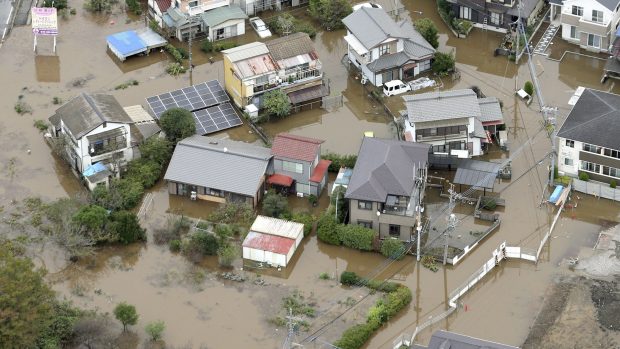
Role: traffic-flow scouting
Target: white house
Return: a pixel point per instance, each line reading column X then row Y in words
column 95, row 129
column 591, row 24
column 224, row 22
column 451, row 121
column 272, row 241
column 383, row 49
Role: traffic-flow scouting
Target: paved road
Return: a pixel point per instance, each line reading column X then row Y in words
column 6, row 9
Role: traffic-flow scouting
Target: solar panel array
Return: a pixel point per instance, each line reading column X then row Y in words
column 207, row 101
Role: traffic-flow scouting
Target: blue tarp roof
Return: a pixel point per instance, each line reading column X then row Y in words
column 94, row 168
column 126, row 43
column 556, row 194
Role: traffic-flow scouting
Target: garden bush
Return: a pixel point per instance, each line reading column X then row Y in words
column 393, row 248
column 198, row 245
column 126, row 226
column 584, row 176
column 612, row 184
column 339, row 161
column 349, row 278
column 528, row 88
column 356, row 236
column 354, row 337
column 327, row 229
column 206, row 46
column 306, row 219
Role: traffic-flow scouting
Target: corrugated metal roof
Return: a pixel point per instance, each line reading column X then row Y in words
column 85, row 112
column 266, row 242
column 388, row 61
column 150, row 38
column 286, row 145
column 319, row 171
column 444, row 339
column 137, row 114
column 490, row 110
column 227, row 165
column 246, row 51
column 385, row 166
column 290, row 46
column 255, row 66
column 277, row 227
column 126, row 43
column 442, row 105
column 220, row 15
column 372, row 26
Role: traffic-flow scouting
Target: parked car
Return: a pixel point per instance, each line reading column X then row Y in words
column 260, row 27
column 395, row 87
column 365, row 4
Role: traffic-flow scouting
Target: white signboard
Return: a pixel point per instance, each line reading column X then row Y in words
column 44, row 21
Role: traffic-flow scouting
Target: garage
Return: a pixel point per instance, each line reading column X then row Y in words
column 272, row 241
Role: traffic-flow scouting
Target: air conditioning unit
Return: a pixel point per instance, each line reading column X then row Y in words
column 300, row 195
column 193, row 195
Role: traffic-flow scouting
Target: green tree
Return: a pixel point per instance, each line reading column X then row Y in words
column 26, row 302
column 306, row 219
column 443, row 63
column 329, row 13
column 61, row 327
column 126, row 314
column 98, row 5
column 177, row 124
column 145, row 171
column 123, row 194
column 392, row 248
column 155, row 329
column 274, row 204
column 356, row 236
column 277, row 104
column 227, row 255
column 156, row 149
column 427, row 28
column 198, row 245
column 59, row 4
column 327, row 229
column 126, row 227
column 338, row 201
column 92, row 219
column 529, row 88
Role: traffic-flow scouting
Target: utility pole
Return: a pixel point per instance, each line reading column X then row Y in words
column 191, row 34
column 452, row 221
column 550, row 115
column 290, row 324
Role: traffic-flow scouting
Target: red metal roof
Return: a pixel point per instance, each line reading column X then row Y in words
column 163, row 5
column 295, row 147
column 319, row 171
column 280, row 179
column 266, row 242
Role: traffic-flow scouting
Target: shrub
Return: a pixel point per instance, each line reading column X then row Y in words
column 175, row 245
column 354, row 337
column 427, row 28
column 198, row 245
column 276, row 103
column 443, row 63
column 156, row 149
column 396, row 300
column 155, row 329
column 306, row 219
column 40, row 125
column 134, row 6
column 178, row 57
column 329, row 13
column 144, row 171
column 98, row 5
column 175, row 69
column 488, row 204
column 612, row 184
column 56, row 100
column 584, row 176
column 227, row 255
column 177, row 124
column 221, row 46
column 58, row 4
column 324, row 276
column 206, row 46
column 349, row 278
column 339, row 161
column 123, row 194
column 126, row 226
column 126, row 314
column 274, row 204
column 529, row 88
column 172, row 230
column 285, row 23
column 356, row 236
column 232, row 212
column 340, row 204
column 382, row 286
column 327, row 229
column 393, row 248
column 92, row 219
column 183, row 52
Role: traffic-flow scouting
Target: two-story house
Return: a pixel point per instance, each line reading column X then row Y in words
column 496, row 15
column 94, row 129
column 452, row 121
column 387, row 186
column 591, row 24
column 289, row 63
column 588, row 139
column 297, row 164
column 385, row 50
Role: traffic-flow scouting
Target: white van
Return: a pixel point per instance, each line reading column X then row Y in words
column 395, row 87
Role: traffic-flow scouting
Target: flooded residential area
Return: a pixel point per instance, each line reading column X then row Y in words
column 476, row 209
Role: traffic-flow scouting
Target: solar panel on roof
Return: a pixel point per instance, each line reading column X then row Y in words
column 192, row 98
column 216, row 118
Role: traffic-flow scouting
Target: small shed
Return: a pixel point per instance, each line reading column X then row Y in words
column 272, row 241
column 131, row 42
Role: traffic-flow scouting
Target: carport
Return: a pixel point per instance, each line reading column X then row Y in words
column 479, row 175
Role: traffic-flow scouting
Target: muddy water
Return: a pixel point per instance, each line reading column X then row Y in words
column 164, row 286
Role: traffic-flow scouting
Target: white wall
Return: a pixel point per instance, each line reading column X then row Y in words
column 266, row 256
column 568, row 152
column 237, row 22
column 84, row 145
column 588, row 6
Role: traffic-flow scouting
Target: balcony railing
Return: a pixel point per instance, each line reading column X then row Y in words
column 207, row 5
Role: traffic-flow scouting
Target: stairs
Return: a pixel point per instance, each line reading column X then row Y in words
column 545, row 40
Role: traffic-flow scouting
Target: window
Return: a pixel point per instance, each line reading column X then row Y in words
column 365, row 224
column 592, row 148
column 612, row 153
column 292, row 167
column 496, row 18
column 261, row 80
column 610, row 171
column 570, row 143
column 364, row 205
column 597, row 16
column 568, row 161
column 384, row 49
column 193, row 4
column 577, row 10
column 394, row 230
column 216, row 192
column 589, row 166
column 465, row 12
column 573, row 32
column 594, row 40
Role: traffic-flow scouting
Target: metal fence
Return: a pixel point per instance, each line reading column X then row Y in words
column 597, row 189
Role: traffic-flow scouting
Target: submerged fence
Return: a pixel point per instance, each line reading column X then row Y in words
column 597, row 189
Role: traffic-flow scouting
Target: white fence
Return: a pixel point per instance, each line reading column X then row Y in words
column 598, row 189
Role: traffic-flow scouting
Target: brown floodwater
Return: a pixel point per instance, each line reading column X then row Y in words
column 197, row 307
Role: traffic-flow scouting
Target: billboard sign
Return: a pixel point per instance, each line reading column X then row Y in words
column 44, row 21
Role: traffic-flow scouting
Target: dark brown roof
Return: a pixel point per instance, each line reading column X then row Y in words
column 290, row 46
column 163, row 5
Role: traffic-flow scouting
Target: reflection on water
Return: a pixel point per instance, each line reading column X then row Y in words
column 47, row 68
column 140, row 61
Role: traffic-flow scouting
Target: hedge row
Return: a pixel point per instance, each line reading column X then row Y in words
column 349, row 278
column 353, row 236
column 386, row 308
column 339, row 161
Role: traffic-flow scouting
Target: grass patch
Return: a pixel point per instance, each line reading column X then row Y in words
column 40, row 125
column 127, row 84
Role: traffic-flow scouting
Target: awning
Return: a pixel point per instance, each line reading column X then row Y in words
column 280, row 179
column 355, row 44
column 478, row 174
column 113, row 133
column 319, row 171
column 308, row 94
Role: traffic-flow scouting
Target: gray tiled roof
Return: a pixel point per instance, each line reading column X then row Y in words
column 415, row 45
column 444, row 339
column 227, row 165
column 610, row 4
column 479, row 129
column 385, row 166
column 290, row 46
column 434, row 106
column 86, row 112
column 372, row 26
column 388, row 61
column 490, row 109
column 594, row 119
column 220, row 15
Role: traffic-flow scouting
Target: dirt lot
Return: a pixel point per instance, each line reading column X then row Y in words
column 578, row 305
